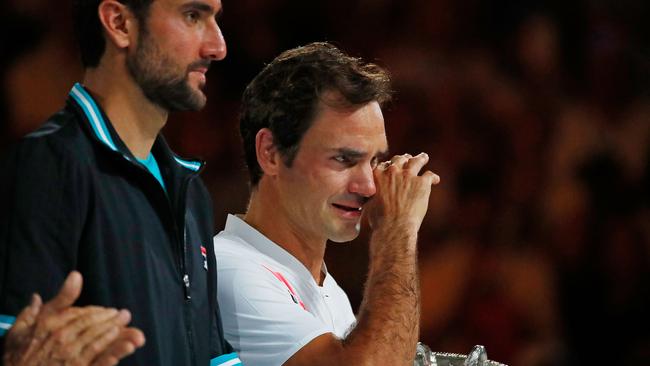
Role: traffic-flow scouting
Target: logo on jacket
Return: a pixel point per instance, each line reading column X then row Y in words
column 204, row 253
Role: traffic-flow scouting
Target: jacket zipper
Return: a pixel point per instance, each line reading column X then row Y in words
column 183, row 244
column 183, row 266
column 178, row 223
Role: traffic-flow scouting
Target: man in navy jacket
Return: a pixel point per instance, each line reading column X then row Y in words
column 96, row 190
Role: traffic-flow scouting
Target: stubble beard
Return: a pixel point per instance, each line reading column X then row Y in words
column 162, row 81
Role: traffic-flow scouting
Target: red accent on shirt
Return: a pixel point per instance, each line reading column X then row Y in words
column 280, row 277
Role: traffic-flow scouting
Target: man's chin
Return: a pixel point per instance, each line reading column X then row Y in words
column 198, row 95
column 347, row 235
column 199, row 86
column 200, row 101
column 192, row 100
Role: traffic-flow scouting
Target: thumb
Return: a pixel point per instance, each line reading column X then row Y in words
column 67, row 295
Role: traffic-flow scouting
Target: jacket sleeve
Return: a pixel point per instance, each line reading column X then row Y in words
column 41, row 220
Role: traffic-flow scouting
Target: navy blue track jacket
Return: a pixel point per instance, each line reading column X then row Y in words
column 74, row 197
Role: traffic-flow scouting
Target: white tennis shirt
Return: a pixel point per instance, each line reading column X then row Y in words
column 270, row 304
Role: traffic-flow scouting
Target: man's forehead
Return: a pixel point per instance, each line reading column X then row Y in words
column 366, row 119
column 353, row 138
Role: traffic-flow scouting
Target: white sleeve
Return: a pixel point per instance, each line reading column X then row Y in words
column 260, row 319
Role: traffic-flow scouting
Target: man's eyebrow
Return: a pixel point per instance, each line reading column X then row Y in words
column 351, row 153
column 356, row 154
column 201, row 7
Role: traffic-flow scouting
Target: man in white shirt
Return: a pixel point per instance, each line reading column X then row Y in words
column 314, row 136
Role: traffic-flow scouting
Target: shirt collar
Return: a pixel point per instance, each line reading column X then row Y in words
column 237, row 226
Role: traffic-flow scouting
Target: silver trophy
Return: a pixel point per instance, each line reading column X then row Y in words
column 477, row 357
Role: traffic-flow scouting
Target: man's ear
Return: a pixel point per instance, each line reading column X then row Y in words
column 268, row 156
column 120, row 25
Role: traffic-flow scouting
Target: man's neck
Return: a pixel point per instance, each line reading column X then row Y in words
column 135, row 118
column 263, row 215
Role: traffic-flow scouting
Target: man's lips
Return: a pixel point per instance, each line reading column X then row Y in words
column 347, row 207
column 200, row 73
column 202, row 70
column 348, row 210
column 199, row 67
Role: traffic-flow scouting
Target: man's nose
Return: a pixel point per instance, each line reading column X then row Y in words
column 363, row 182
column 214, row 46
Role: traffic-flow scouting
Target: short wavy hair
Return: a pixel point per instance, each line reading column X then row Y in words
column 285, row 96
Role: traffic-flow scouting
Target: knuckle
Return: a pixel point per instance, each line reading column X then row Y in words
column 128, row 348
column 103, row 361
column 86, row 356
column 95, row 347
column 48, row 323
column 93, row 310
column 58, row 353
column 59, row 337
column 70, row 313
column 110, row 361
column 67, row 349
column 91, row 318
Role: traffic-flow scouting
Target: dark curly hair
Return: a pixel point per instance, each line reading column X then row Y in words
column 285, row 96
column 88, row 28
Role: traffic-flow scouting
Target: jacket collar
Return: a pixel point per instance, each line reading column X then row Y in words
column 103, row 130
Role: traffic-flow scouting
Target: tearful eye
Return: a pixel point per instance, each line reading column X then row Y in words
column 374, row 163
column 192, row 16
column 342, row 159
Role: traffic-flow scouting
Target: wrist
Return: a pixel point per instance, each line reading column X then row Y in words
column 393, row 244
column 401, row 227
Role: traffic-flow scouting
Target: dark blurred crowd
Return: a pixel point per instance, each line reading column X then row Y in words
column 536, row 115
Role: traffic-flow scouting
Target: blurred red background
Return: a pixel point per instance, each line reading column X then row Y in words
column 536, row 115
